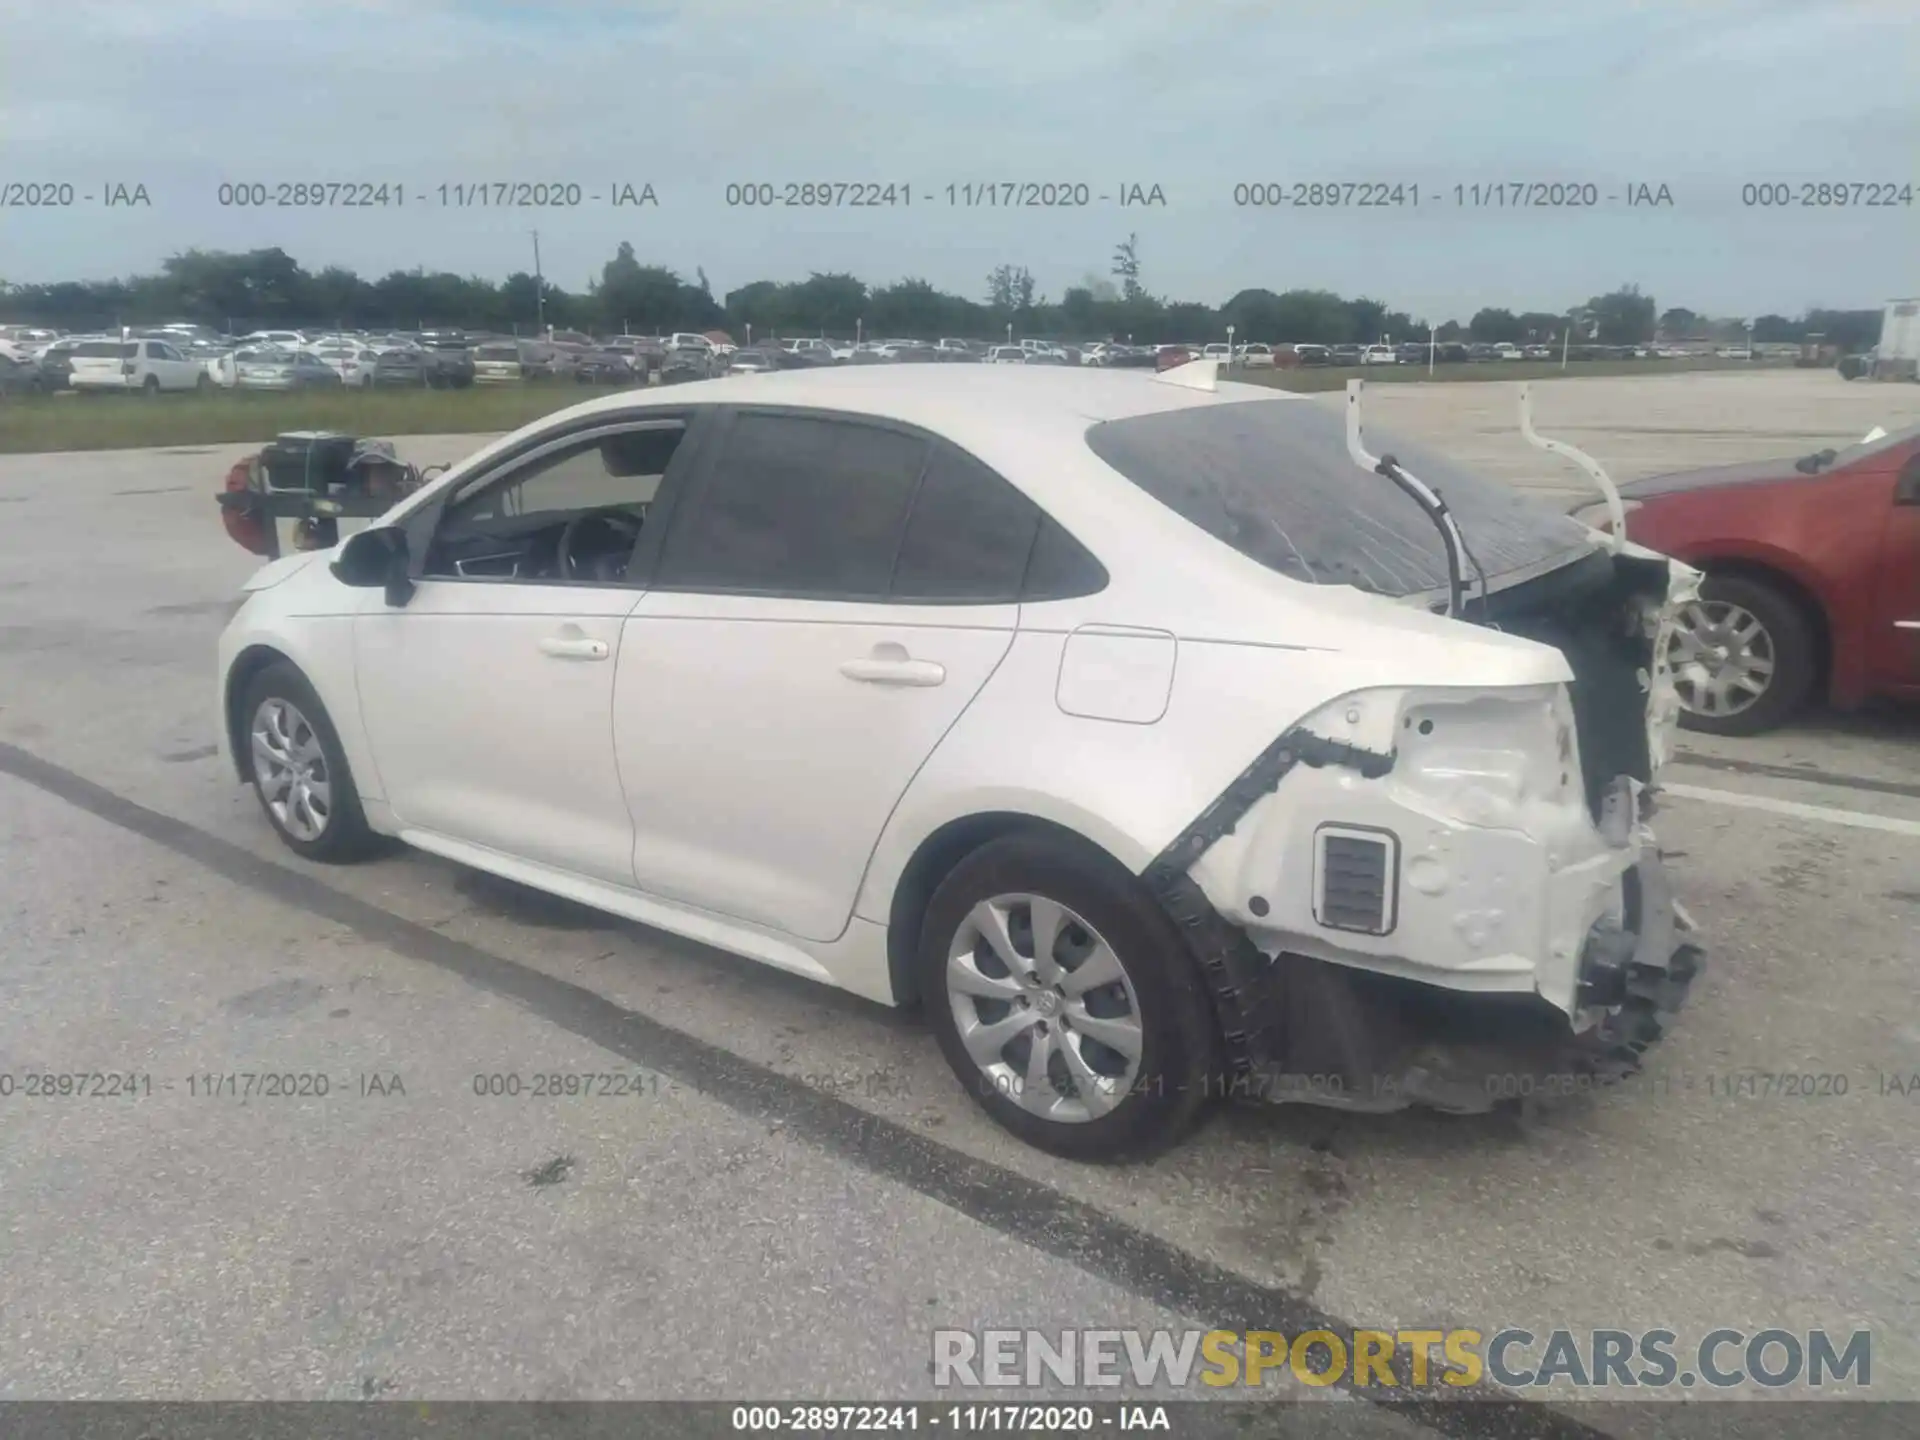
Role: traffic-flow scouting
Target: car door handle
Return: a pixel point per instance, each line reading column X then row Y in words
column 569, row 647
column 888, row 670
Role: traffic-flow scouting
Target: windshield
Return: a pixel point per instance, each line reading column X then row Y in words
column 1272, row 478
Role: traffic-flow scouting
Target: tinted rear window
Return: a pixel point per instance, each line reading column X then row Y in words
column 105, row 350
column 1272, row 478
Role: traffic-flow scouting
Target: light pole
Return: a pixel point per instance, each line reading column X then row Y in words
column 539, row 289
column 1229, row 345
column 749, row 334
column 1433, row 336
column 859, row 326
column 1009, row 332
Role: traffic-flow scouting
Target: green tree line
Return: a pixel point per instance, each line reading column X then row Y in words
column 264, row 289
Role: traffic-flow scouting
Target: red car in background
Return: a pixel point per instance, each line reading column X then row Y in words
column 1813, row 579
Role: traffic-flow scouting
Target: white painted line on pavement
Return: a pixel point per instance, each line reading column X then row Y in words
column 1858, row 819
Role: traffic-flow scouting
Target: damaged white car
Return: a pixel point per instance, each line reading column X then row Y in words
column 1148, row 731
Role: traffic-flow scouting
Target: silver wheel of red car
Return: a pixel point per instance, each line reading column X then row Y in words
column 1743, row 656
column 1723, row 658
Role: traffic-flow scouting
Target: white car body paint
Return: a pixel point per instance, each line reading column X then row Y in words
column 152, row 365
column 353, row 363
column 659, row 784
column 1121, row 675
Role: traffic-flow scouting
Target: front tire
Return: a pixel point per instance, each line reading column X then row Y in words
column 1066, row 1002
column 299, row 770
column 1744, row 656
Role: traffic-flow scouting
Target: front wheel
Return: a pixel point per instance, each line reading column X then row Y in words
column 298, row 769
column 1065, row 1000
column 1744, row 657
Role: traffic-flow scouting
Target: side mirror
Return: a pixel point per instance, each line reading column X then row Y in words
column 376, row 557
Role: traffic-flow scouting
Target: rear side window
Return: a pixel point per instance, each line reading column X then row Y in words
column 797, row 505
column 969, row 537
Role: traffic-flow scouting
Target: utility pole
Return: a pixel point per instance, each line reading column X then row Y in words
column 539, row 289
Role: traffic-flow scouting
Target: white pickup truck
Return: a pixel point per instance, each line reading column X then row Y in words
column 148, row 366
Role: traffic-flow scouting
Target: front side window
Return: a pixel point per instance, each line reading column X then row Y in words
column 572, row 513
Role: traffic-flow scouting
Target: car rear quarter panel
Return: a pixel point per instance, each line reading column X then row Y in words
column 1822, row 533
column 1131, row 784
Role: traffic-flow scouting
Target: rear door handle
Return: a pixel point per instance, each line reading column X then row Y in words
column 568, row 647
column 873, row 670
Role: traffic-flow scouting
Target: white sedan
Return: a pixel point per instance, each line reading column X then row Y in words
column 352, row 362
column 1105, row 715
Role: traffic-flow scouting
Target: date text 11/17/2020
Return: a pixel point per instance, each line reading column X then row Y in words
column 963, row 195
column 1408, row 195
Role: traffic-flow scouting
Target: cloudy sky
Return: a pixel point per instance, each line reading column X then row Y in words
column 1194, row 96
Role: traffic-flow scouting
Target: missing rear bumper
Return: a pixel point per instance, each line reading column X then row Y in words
column 1303, row 1030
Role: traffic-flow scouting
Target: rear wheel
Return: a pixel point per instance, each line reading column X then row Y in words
column 299, row 771
column 1744, row 657
column 150, row 385
column 1064, row 999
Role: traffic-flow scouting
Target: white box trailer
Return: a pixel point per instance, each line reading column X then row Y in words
column 1898, row 355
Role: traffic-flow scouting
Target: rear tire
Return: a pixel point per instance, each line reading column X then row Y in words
column 1085, row 1097
column 150, row 386
column 300, row 773
column 1785, row 640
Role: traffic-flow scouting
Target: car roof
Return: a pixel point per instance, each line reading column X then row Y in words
column 959, row 401
column 1029, row 424
column 1022, row 421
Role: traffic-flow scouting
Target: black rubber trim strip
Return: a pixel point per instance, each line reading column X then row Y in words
column 1248, row 1010
column 1003, row 1200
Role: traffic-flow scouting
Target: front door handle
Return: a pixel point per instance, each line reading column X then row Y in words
column 889, row 664
column 572, row 647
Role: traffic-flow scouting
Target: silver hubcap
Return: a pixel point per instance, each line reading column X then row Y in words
column 1044, row 1007
column 291, row 771
column 1722, row 658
